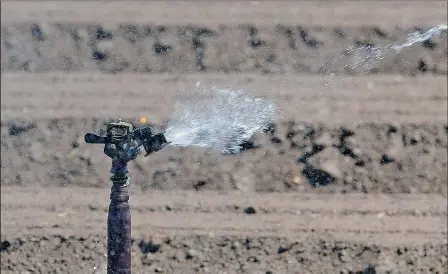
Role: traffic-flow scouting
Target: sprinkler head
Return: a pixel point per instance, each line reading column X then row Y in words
column 122, row 142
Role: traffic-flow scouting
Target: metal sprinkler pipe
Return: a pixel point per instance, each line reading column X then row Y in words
column 122, row 144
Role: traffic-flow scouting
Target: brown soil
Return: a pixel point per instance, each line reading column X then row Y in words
column 353, row 171
column 259, row 48
column 397, row 142
column 175, row 12
column 293, row 233
column 240, row 42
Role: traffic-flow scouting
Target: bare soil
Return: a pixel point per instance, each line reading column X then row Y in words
column 373, row 134
column 213, row 232
column 216, row 13
column 242, row 37
column 350, row 178
column 229, row 48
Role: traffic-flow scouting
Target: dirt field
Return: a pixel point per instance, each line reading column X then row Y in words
column 352, row 173
column 290, row 232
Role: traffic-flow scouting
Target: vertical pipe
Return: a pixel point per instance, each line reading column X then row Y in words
column 119, row 226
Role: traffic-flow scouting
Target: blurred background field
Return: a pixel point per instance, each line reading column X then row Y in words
column 373, row 138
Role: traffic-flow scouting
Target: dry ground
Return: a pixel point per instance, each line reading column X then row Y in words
column 324, row 13
column 185, row 232
column 399, row 131
column 353, row 172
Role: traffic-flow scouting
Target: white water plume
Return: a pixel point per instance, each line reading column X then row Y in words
column 368, row 56
column 417, row 37
column 220, row 119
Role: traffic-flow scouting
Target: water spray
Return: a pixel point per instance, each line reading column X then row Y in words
column 218, row 118
column 368, row 56
column 122, row 144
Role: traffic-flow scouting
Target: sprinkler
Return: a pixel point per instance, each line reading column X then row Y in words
column 122, row 143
